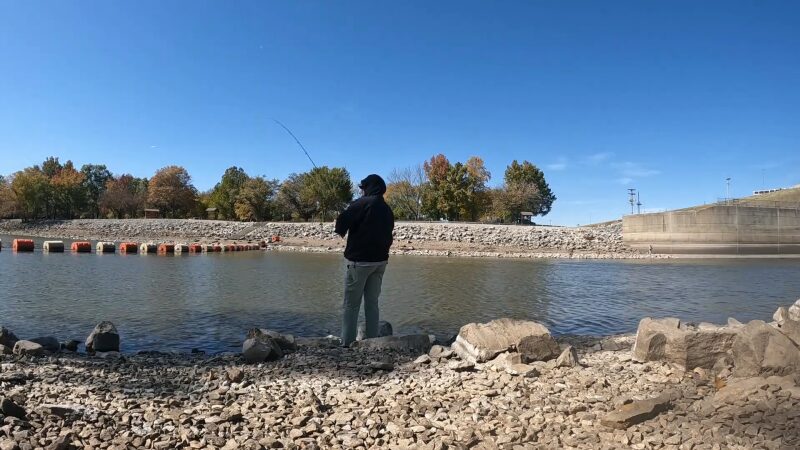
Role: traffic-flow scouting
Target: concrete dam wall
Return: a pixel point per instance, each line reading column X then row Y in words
column 716, row 229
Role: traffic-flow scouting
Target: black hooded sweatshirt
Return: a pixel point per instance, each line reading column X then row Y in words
column 368, row 223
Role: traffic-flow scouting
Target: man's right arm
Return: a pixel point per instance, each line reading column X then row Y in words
column 345, row 219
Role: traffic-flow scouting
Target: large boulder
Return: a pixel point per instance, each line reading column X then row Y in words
column 761, row 349
column 791, row 328
column 259, row 347
column 49, row 343
column 104, row 338
column 7, row 338
column 686, row 345
column 481, row 342
column 286, row 342
column 28, row 348
column 384, row 329
column 415, row 343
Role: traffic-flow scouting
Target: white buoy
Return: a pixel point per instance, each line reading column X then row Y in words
column 53, row 246
column 181, row 248
column 106, row 247
column 148, row 247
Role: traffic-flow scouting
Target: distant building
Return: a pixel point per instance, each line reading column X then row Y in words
column 150, row 213
column 526, row 217
column 211, row 213
column 766, row 191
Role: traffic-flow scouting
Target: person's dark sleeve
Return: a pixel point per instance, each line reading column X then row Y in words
column 345, row 219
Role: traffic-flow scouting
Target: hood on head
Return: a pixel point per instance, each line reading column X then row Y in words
column 373, row 185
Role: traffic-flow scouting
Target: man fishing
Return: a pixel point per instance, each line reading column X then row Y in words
column 368, row 223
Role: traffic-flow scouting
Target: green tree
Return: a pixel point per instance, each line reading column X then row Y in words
column 225, row 193
column 8, row 200
column 291, row 203
column 477, row 191
column 171, row 191
column 95, row 178
column 434, row 205
column 329, row 189
column 254, row 201
column 32, row 190
column 526, row 185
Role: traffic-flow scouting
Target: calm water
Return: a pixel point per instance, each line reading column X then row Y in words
column 208, row 301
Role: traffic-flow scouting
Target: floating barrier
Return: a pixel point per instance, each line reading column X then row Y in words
column 1, row 244
column 106, row 247
column 164, row 249
column 181, row 248
column 148, row 248
column 53, row 246
column 275, row 238
column 81, row 247
column 229, row 248
column 195, row 248
column 22, row 245
column 207, row 248
column 216, row 248
column 128, row 247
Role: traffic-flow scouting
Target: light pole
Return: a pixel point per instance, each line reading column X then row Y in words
column 632, row 198
column 727, row 189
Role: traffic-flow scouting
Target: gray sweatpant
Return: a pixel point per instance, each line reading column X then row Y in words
column 361, row 281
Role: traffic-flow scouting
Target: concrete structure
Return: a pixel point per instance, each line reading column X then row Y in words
column 737, row 228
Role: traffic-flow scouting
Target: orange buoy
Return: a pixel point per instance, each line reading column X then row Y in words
column 195, row 248
column 106, row 247
column 81, row 247
column 166, row 248
column 148, row 248
column 216, row 248
column 276, row 238
column 22, row 245
column 229, row 248
column 128, row 247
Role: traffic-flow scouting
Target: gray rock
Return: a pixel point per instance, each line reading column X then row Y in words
column 791, row 328
column 568, row 358
column 423, row 359
column 71, row 345
column 235, row 375
column 381, row 366
column 10, row 408
column 461, row 366
column 440, row 352
column 4, row 350
column 384, row 329
column 682, row 344
column 418, row 343
column 760, row 349
column 49, row 343
column 638, row 411
column 524, row 370
column 28, row 348
column 259, row 349
column 538, row 348
column 319, row 342
column 286, row 342
column 104, row 338
column 7, row 338
column 63, row 442
column 482, row 342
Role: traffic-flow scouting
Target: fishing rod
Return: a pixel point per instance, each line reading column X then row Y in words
column 296, row 140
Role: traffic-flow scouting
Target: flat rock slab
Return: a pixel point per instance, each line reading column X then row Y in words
column 754, row 389
column 481, row 342
column 685, row 345
column 761, row 349
column 638, row 411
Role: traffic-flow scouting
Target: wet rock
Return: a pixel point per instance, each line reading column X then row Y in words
column 260, row 349
column 104, row 338
column 381, row 366
column 568, row 358
column 638, row 411
column 685, row 345
column 760, row 349
column 319, row 342
column 482, row 342
column 384, row 329
column 70, row 346
column 49, row 343
column 418, row 343
column 538, row 348
column 28, row 348
column 7, row 338
column 6, row 350
column 286, row 342
column 10, row 408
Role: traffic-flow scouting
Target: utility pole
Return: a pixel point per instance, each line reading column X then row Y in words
column 638, row 204
column 632, row 198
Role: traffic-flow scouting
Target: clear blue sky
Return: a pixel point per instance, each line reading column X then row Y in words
column 668, row 97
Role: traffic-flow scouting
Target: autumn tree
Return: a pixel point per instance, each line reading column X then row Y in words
column 31, row 188
column 405, row 190
column 436, row 170
column 171, row 191
column 8, row 200
column 254, row 201
column 124, row 197
column 69, row 194
column 225, row 193
column 477, row 191
column 291, row 201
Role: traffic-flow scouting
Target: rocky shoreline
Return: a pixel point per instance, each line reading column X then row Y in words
column 411, row 238
column 503, row 384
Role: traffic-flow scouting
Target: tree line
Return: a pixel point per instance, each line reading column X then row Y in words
column 433, row 190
